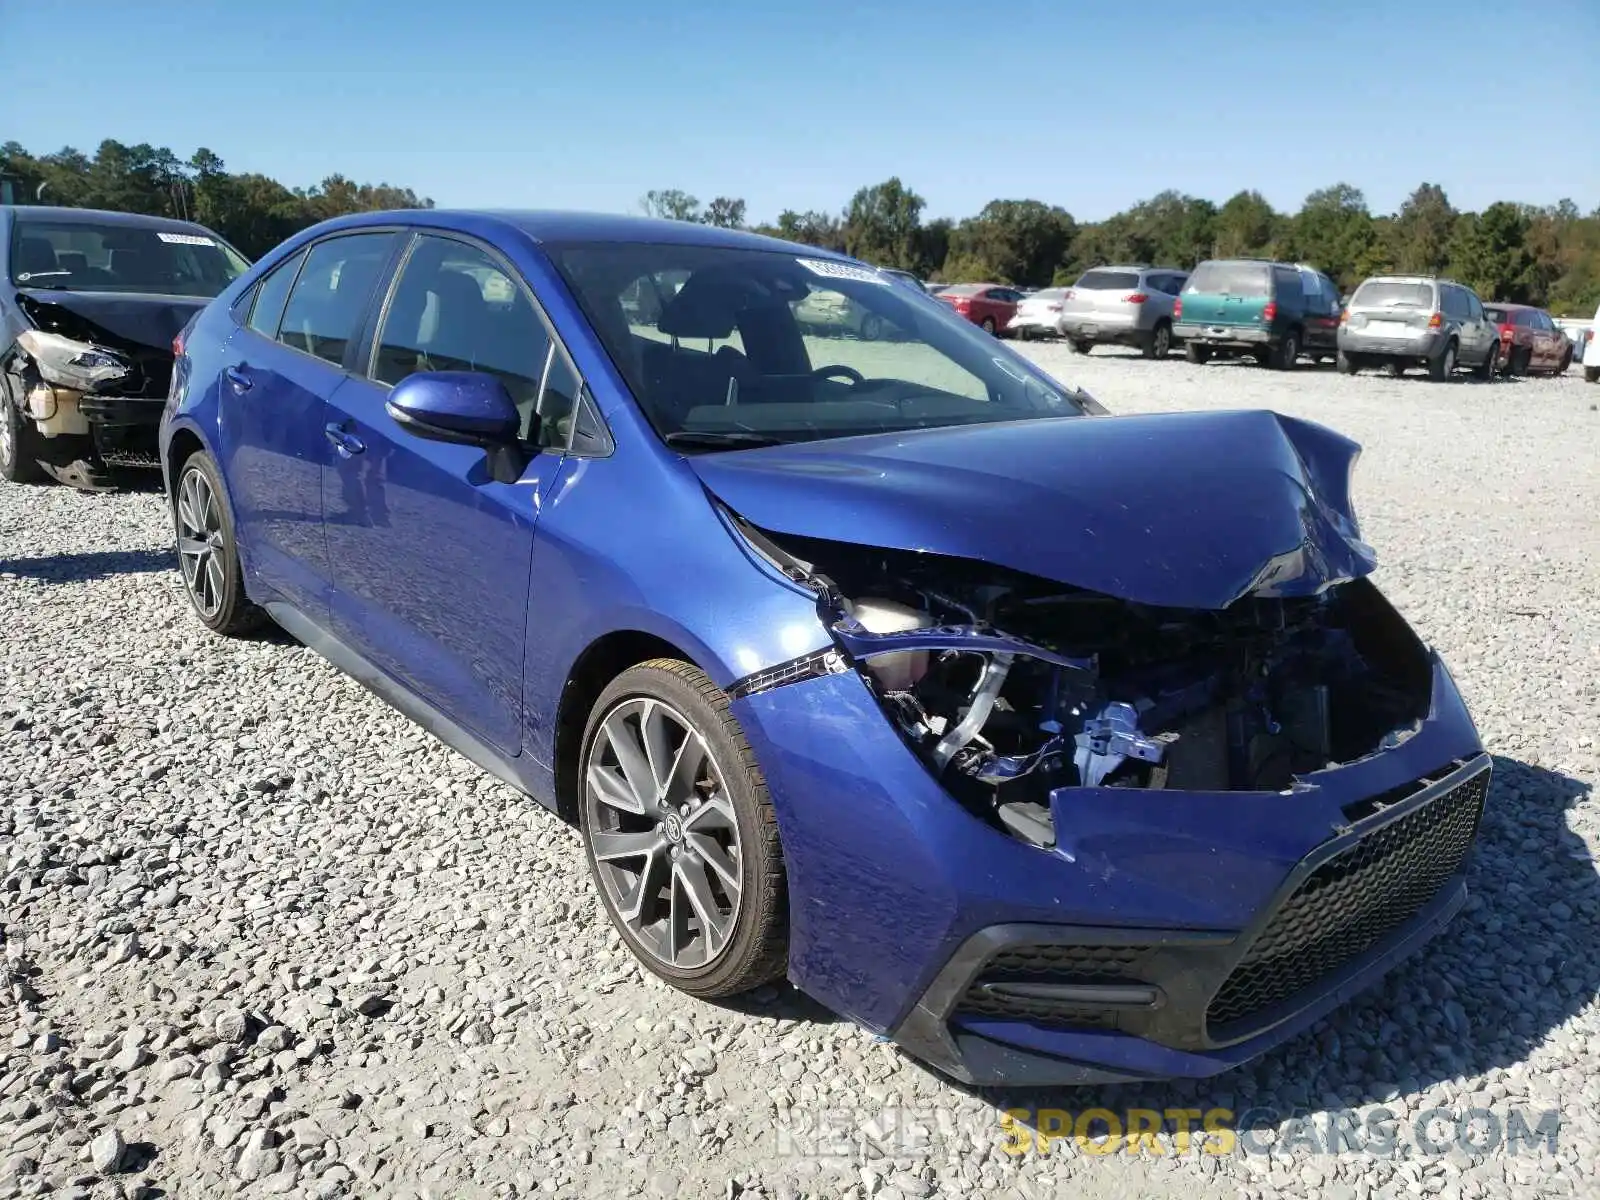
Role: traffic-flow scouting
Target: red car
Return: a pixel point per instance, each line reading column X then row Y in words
column 988, row 305
column 1530, row 342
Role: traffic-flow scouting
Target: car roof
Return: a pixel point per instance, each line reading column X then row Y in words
column 25, row 214
column 554, row 226
column 1508, row 304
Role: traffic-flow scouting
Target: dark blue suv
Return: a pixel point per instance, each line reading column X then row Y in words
column 1057, row 746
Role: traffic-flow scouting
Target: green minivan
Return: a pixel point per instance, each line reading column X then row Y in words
column 1274, row 312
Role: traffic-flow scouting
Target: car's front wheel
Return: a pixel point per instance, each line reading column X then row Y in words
column 1347, row 364
column 208, row 550
column 19, row 460
column 680, row 832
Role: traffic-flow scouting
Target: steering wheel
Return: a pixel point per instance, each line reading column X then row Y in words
column 839, row 371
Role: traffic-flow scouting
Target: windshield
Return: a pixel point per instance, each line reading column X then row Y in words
column 83, row 256
column 1384, row 293
column 727, row 347
column 1231, row 279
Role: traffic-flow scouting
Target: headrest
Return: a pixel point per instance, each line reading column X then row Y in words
column 709, row 303
column 35, row 256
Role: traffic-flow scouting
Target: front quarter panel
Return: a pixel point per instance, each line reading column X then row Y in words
column 632, row 542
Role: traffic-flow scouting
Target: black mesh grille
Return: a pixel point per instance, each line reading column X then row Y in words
column 1052, row 964
column 1352, row 901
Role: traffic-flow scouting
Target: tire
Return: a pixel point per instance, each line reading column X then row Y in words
column 1591, row 374
column 1287, row 354
column 19, row 453
column 988, row 326
column 1396, row 370
column 871, row 327
column 1346, row 365
column 1443, row 368
column 1081, row 346
column 677, row 698
column 208, row 550
column 1566, row 363
column 1159, row 343
column 1517, row 364
column 1196, row 353
column 1484, row 371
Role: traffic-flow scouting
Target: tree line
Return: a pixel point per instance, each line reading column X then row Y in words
column 253, row 212
column 1548, row 256
column 1521, row 253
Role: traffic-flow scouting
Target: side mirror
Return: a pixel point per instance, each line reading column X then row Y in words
column 469, row 408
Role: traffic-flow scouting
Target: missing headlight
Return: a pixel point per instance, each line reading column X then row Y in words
column 1010, row 686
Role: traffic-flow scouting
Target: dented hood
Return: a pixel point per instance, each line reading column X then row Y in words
column 1189, row 510
column 121, row 320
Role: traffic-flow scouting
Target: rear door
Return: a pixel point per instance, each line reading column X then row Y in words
column 1321, row 310
column 1227, row 294
column 431, row 558
column 1484, row 336
column 283, row 364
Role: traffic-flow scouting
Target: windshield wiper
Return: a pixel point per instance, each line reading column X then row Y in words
column 721, row 439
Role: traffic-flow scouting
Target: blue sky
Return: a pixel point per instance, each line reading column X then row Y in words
column 1090, row 106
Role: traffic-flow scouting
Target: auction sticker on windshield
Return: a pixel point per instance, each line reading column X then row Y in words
column 184, row 239
column 834, row 270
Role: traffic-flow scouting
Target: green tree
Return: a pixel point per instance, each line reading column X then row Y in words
column 1011, row 241
column 725, row 212
column 882, row 223
column 1333, row 231
column 672, row 204
column 1488, row 252
column 1420, row 234
column 1245, row 227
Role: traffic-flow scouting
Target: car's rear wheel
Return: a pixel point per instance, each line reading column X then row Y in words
column 1485, row 370
column 1348, row 364
column 1591, row 374
column 1288, row 353
column 1196, row 353
column 988, row 326
column 19, row 456
column 208, row 550
column 1444, row 366
column 1160, row 341
column 680, row 832
column 1081, row 346
column 1517, row 364
column 1396, row 369
column 871, row 327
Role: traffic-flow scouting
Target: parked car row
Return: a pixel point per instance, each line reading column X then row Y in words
column 1279, row 313
column 575, row 493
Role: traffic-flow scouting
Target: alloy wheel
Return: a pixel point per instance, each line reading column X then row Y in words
column 663, row 833
column 8, row 433
column 201, row 545
column 1163, row 341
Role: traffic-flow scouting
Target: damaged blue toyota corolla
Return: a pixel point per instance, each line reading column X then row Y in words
column 1060, row 747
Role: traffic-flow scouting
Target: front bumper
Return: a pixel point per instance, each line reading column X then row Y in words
column 1420, row 348
column 1241, row 337
column 901, row 900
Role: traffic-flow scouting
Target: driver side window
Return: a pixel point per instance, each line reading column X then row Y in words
column 455, row 308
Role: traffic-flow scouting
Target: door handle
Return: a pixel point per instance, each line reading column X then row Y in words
column 347, row 444
column 240, row 380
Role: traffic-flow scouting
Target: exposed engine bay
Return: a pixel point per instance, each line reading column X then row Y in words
column 1010, row 686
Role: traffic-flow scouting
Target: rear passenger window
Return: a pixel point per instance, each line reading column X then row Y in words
column 456, row 309
column 270, row 296
column 1288, row 285
column 325, row 308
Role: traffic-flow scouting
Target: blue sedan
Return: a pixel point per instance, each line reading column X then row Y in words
column 1059, row 747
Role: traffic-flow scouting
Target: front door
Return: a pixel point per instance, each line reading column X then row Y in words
column 431, row 558
column 282, row 367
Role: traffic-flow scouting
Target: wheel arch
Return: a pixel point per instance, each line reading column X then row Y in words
column 601, row 661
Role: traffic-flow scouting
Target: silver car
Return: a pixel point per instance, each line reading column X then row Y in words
column 1128, row 305
column 1400, row 321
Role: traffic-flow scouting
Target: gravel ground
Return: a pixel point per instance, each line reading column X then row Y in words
column 263, row 935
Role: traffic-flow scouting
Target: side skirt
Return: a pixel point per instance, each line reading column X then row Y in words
column 507, row 769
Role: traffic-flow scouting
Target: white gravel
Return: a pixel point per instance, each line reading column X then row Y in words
column 263, row 935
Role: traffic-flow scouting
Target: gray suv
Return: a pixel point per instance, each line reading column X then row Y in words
column 1130, row 305
column 1396, row 321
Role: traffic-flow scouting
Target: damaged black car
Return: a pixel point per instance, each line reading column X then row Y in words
column 90, row 304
